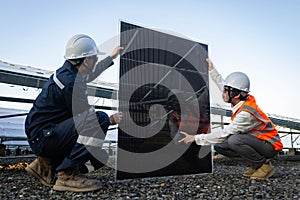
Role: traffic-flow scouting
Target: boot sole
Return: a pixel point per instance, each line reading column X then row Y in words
column 271, row 173
column 72, row 189
column 249, row 175
column 35, row 174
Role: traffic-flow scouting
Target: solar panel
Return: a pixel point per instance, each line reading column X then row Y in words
column 163, row 88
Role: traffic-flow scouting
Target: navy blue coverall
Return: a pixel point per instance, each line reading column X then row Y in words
column 62, row 126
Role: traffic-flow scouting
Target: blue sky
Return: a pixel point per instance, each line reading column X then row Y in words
column 260, row 38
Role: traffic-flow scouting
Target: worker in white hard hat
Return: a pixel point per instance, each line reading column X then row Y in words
column 63, row 129
column 251, row 137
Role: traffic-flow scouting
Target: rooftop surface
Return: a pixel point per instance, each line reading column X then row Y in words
column 225, row 183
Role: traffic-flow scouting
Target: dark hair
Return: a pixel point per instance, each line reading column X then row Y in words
column 243, row 95
column 76, row 62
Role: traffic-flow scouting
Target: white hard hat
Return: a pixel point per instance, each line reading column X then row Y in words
column 81, row 46
column 238, row 80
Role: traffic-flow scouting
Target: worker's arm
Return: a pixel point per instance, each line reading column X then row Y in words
column 104, row 64
column 242, row 123
column 214, row 74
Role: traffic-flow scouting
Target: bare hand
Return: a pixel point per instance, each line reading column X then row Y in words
column 116, row 118
column 210, row 64
column 188, row 138
column 116, row 52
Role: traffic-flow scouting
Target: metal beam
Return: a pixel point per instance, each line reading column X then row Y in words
column 36, row 81
column 20, row 100
column 27, row 80
column 220, row 111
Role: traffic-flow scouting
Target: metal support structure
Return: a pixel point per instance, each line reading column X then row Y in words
column 292, row 143
column 38, row 80
column 27, row 80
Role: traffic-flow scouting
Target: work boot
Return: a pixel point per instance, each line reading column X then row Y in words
column 249, row 172
column 264, row 172
column 42, row 169
column 72, row 180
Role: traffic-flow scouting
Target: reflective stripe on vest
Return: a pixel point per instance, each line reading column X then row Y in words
column 268, row 132
column 269, row 126
column 57, row 81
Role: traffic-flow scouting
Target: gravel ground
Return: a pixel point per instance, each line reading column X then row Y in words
column 225, row 183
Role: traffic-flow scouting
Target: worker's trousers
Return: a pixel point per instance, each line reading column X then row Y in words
column 246, row 148
column 77, row 142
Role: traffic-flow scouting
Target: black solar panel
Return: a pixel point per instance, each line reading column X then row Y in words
column 163, row 87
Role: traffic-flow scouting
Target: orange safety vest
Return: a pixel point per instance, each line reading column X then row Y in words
column 268, row 131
